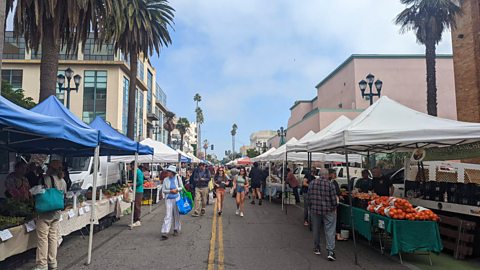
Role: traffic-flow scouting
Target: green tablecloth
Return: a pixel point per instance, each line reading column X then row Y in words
column 362, row 225
column 407, row 236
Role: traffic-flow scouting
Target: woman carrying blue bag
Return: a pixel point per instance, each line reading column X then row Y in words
column 172, row 187
column 48, row 206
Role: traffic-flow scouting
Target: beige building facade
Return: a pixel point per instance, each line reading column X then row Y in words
column 103, row 90
column 259, row 139
column 404, row 80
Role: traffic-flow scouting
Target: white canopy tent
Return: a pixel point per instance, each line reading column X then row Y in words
column 194, row 158
column 262, row 156
column 161, row 154
column 387, row 126
column 279, row 153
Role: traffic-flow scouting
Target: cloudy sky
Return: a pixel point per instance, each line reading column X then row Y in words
column 251, row 59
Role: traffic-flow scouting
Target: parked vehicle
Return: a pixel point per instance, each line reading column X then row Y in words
column 81, row 172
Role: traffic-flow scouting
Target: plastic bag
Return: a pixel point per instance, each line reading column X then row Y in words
column 183, row 204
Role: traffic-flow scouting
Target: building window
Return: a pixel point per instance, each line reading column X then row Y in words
column 94, row 95
column 126, row 85
column 138, row 122
column 161, row 96
column 13, row 48
column 63, row 55
column 14, row 77
column 140, row 71
column 149, row 91
column 93, row 51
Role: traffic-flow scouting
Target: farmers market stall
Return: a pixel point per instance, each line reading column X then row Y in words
column 20, row 236
column 410, row 229
column 374, row 131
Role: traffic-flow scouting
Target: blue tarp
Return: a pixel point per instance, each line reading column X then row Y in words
column 100, row 124
column 109, row 146
column 25, row 131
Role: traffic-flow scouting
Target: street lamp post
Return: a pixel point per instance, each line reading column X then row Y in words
column 363, row 86
column 205, row 146
column 282, row 133
column 61, row 80
column 228, row 153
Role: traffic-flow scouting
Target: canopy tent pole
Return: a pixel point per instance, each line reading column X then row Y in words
column 270, row 179
column 283, row 181
column 351, row 208
column 286, row 164
column 368, row 160
column 135, row 167
column 94, row 200
column 106, row 175
column 151, row 190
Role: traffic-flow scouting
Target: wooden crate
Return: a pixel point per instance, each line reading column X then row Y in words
column 458, row 236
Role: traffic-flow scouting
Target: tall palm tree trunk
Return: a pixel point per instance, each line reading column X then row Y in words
column 233, row 144
column 131, row 94
column 199, row 140
column 49, row 63
column 430, row 55
column 181, row 141
column 3, row 6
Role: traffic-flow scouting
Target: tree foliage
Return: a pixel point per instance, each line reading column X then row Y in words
column 251, row 153
column 17, row 96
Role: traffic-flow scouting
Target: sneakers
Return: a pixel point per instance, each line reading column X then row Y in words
column 316, row 251
column 202, row 212
column 237, row 212
column 331, row 256
column 260, row 202
column 252, row 202
column 164, row 237
column 219, row 213
column 136, row 224
column 195, row 214
column 305, row 223
column 175, row 233
column 241, row 214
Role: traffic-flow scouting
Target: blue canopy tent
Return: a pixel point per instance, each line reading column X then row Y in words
column 24, row 131
column 108, row 131
column 109, row 143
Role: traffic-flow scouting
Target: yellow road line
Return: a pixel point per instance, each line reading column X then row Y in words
column 220, row 244
column 211, row 254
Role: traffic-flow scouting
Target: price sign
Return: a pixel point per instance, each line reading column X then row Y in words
column 366, row 217
column 30, row 226
column 61, row 218
column 81, row 212
column 71, row 213
column 5, row 235
column 381, row 224
column 87, row 208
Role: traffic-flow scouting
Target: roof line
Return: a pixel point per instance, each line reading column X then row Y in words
column 376, row 56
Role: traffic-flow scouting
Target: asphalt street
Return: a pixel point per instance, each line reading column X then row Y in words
column 266, row 238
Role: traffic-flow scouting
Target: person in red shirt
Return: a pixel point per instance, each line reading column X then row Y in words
column 293, row 183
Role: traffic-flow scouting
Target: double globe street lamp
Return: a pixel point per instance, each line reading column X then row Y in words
column 282, row 133
column 370, row 81
column 61, row 80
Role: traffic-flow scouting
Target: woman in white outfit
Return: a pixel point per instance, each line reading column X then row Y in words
column 172, row 185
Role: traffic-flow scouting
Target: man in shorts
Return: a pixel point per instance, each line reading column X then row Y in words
column 256, row 176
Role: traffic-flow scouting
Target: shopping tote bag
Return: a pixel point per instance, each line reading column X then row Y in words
column 50, row 200
column 190, row 198
column 183, row 204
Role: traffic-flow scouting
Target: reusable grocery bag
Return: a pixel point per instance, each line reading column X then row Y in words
column 190, row 198
column 51, row 200
column 183, row 204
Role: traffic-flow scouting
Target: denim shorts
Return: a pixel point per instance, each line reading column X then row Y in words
column 240, row 189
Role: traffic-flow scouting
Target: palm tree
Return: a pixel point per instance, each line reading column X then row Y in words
column 169, row 125
column 197, row 98
column 7, row 5
column 234, row 132
column 142, row 28
column 428, row 19
column 52, row 24
column 182, row 125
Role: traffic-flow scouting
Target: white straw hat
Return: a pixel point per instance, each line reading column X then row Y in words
column 172, row 168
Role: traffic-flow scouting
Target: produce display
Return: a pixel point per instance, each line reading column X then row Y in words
column 397, row 208
column 365, row 196
column 8, row 222
column 114, row 190
column 13, row 208
column 149, row 185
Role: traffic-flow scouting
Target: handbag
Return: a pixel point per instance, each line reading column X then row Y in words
column 210, row 185
column 51, row 200
column 184, row 207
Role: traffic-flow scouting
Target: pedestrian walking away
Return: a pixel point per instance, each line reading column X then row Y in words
column 307, row 179
column 137, row 209
column 332, row 176
column 256, row 176
column 293, row 183
column 221, row 182
column 171, row 187
column 323, row 205
column 240, row 184
column 201, row 177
